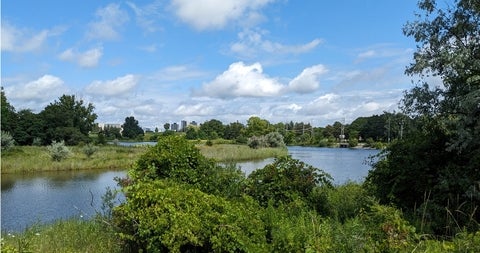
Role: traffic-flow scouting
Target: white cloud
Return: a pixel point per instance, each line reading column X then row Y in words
column 119, row 86
column 147, row 15
column 87, row 59
column 177, row 72
column 307, row 81
column 16, row 39
column 43, row 89
column 199, row 109
column 242, row 80
column 216, row 14
column 251, row 43
column 109, row 20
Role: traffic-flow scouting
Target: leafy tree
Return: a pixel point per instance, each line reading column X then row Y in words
column 274, row 140
column 233, row 131
column 213, row 129
column 285, row 180
column 191, row 133
column 7, row 114
column 435, row 170
column 131, row 129
column 28, row 127
column 257, row 127
column 166, row 126
column 68, row 119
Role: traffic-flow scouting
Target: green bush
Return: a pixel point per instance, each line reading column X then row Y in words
column 284, row 180
column 161, row 216
column 175, row 158
column 7, row 141
column 89, row 150
column 58, row 151
column 345, row 201
column 274, row 140
column 257, row 142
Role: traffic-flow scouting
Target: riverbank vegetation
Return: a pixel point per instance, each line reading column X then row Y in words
column 177, row 200
column 29, row 159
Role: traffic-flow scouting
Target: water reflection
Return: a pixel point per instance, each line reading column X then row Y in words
column 45, row 197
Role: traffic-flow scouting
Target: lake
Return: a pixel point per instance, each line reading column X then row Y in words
column 45, row 197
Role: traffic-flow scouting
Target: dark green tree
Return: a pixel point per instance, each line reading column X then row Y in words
column 434, row 172
column 212, row 129
column 28, row 127
column 7, row 114
column 233, row 131
column 131, row 129
column 68, row 119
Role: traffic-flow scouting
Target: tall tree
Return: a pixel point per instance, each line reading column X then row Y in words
column 7, row 114
column 437, row 168
column 68, row 119
column 213, row 128
column 131, row 129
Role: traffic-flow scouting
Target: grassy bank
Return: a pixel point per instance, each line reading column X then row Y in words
column 25, row 159
column 63, row 236
column 32, row 158
column 235, row 153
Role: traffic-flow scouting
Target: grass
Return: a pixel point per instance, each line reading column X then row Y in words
column 27, row 159
column 72, row 235
column 33, row 158
column 236, row 153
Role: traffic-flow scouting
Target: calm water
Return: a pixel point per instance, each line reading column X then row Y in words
column 45, row 197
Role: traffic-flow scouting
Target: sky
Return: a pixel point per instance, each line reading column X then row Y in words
column 163, row 61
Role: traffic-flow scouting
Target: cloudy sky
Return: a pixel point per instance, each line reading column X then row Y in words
column 170, row 60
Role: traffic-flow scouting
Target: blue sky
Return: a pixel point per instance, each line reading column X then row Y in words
column 165, row 61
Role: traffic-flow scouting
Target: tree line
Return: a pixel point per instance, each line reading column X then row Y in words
column 71, row 120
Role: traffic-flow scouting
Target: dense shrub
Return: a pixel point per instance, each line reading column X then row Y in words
column 177, row 159
column 89, row 150
column 274, row 140
column 7, row 141
column 284, row 180
column 257, row 142
column 161, row 216
column 58, row 151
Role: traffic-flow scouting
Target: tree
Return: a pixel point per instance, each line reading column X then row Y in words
column 257, row 127
column 233, row 131
column 68, row 119
column 7, row 114
column 131, row 129
column 28, row 127
column 435, row 170
column 213, row 128
column 166, row 126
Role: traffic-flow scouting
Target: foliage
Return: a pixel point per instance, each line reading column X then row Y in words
column 274, row 140
column 68, row 119
column 345, row 201
column 7, row 114
column 352, row 142
column 131, row 129
column 285, row 180
column 257, row 142
column 212, row 129
column 433, row 174
column 89, row 150
column 58, row 151
column 257, row 127
column 161, row 216
column 7, row 141
column 73, row 235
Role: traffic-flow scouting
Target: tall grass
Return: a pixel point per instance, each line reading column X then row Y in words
column 33, row 158
column 235, row 153
column 72, row 235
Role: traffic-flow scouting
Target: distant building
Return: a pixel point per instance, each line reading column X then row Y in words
column 193, row 123
column 174, row 127
column 109, row 125
column 183, row 125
